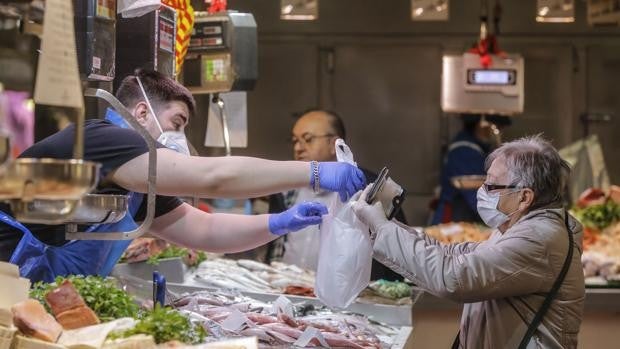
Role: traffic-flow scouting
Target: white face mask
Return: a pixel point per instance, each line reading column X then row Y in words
column 174, row 140
column 488, row 211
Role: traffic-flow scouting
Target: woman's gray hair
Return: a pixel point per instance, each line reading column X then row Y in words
column 532, row 162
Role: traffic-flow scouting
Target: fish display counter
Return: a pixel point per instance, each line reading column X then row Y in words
column 386, row 307
column 276, row 320
column 93, row 312
column 384, row 301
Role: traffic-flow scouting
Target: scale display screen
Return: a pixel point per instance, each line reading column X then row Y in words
column 207, row 36
column 495, row 77
column 216, row 68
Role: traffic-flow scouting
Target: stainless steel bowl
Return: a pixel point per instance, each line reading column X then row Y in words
column 48, row 179
column 92, row 208
column 100, row 208
column 43, row 211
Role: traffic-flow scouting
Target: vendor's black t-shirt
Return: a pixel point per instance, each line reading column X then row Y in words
column 105, row 143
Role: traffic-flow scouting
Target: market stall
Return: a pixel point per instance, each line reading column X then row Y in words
column 91, row 312
column 71, row 56
column 383, row 301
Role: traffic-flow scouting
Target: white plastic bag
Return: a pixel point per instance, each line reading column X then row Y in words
column 137, row 8
column 345, row 253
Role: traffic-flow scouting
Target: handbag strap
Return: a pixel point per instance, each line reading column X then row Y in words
column 553, row 292
column 547, row 302
column 457, row 341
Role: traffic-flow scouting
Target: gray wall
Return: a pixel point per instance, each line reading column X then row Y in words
column 381, row 71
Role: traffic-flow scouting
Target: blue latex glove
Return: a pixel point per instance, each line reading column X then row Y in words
column 297, row 217
column 341, row 177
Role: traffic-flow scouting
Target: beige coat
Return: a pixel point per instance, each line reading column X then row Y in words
column 502, row 281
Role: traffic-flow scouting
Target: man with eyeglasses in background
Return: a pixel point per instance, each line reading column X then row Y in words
column 313, row 139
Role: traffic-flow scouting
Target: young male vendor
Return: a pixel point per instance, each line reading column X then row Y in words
column 163, row 106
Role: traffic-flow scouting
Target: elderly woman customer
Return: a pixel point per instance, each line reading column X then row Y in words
column 505, row 280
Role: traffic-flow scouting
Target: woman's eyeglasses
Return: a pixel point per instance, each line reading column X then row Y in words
column 491, row 187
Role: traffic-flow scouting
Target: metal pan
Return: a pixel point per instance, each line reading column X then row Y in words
column 99, row 208
column 43, row 211
column 92, row 208
column 48, row 179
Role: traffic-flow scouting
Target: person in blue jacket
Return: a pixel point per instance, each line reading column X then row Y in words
column 163, row 107
column 465, row 156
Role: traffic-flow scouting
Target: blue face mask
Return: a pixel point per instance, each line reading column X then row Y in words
column 174, row 140
column 487, row 208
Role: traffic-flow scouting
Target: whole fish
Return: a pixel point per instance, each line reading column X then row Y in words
column 214, row 312
column 338, row 340
column 284, row 329
column 319, row 325
column 261, row 318
column 288, row 320
column 218, row 283
column 232, row 280
column 254, row 265
column 281, row 337
column 199, row 298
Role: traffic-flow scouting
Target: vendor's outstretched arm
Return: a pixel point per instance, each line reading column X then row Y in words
column 229, row 233
column 234, row 176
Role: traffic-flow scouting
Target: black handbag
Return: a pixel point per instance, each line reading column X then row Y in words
column 547, row 302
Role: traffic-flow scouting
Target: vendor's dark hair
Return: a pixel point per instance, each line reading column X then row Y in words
column 159, row 88
column 334, row 119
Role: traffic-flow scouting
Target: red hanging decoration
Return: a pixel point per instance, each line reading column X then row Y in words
column 487, row 44
column 485, row 48
column 217, row 6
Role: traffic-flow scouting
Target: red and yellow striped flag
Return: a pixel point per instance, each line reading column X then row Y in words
column 185, row 24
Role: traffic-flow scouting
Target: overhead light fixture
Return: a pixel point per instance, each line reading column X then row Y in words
column 286, row 10
column 429, row 10
column 299, row 10
column 603, row 12
column 555, row 11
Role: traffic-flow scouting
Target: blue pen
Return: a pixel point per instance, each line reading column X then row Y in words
column 159, row 289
